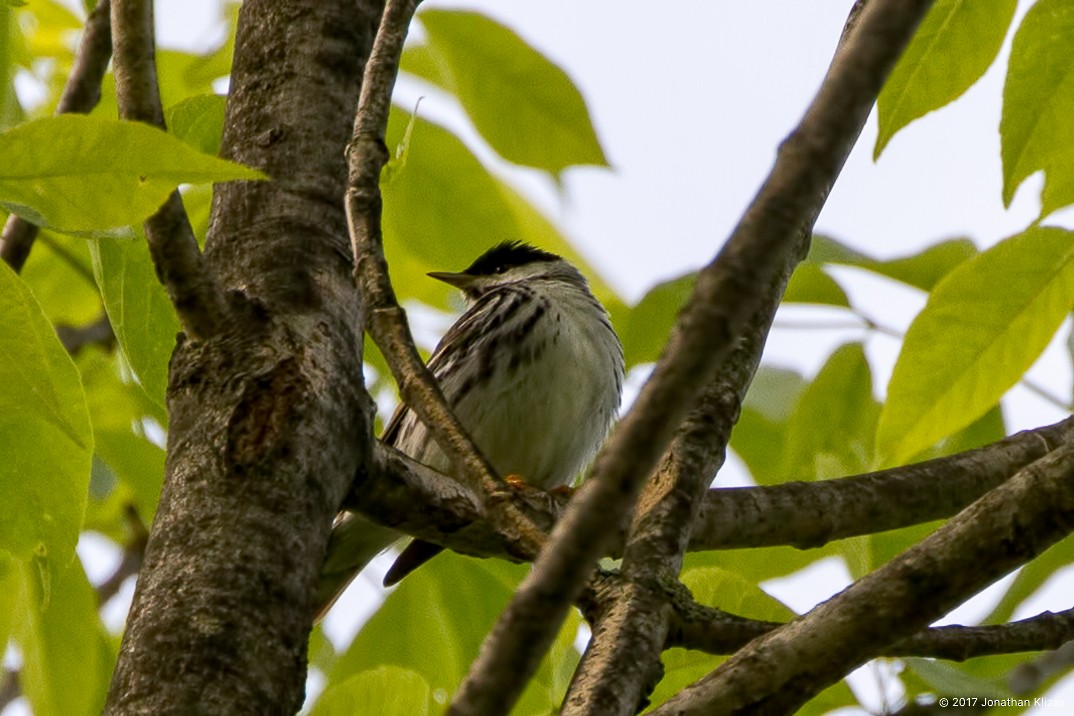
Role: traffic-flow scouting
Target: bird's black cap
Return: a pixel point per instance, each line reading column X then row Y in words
column 507, row 255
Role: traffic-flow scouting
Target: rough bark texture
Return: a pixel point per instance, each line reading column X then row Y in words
column 269, row 418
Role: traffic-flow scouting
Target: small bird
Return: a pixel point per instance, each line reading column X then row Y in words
column 533, row 370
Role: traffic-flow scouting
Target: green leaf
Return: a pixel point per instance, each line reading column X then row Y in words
column 809, row 284
column 832, row 430
column 1030, row 579
column 385, row 690
column 142, row 316
column 957, row 41
column 527, row 108
column 61, row 278
column 434, row 623
column 115, row 406
column 1038, row 100
column 950, row 680
column 759, row 437
column 982, row 328
column 442, row 211
column 198, row 121
column 88, row 174
column 45, row 435
column 730, row 592
column 649, row 323
column 67, row 657
column 922, row 270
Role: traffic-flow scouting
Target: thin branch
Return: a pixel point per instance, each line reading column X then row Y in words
column 368, row 155
column 1007, row 527
column 773, row 234
column 75, row 338
column 81, row 93
column 198, row 300
column 9, row 687
column 713, row 631
column 1027, row 678
column 1044, row 394
column 811, row 514
column 133, row 556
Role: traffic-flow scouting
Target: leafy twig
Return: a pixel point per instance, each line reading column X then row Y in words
column 198, row 300
column 80, row 94
column 387, row 323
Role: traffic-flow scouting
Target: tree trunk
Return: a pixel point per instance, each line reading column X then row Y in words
column 269, row 420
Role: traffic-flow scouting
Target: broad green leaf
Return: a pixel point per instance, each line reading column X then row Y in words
column 728, row 591
column 1031, row 578
column 45, row 435
column 649, row 323
column 759, row 437
column 761, row 564
column 10, row 594
column 115, row 406
column 440, row 212
column 61, row 277
column 198, row 121
column 435, row 621
column 833, row 427
column 1038, row 101
column 421, row 61
column 950, row 680
column 66, row 653
column 442, row 209
column 10, row 37
column 82, row 173
column 922, row 270
column 385, row 690
column 989, row 428
column 809, row 284
column 712, row 585
column 142, row 317
column 527, row 108
column 956, row 42
column 983, row 326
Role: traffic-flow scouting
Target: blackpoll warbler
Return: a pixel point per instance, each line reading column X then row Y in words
column 533, row 371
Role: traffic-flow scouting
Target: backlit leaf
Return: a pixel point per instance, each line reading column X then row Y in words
column 526, row 107
column 1038, row 100
column 80, row 173
column 957, row 41
column 45, row 435
column 983, row 326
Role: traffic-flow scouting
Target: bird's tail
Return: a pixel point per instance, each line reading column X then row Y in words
column 354, row 542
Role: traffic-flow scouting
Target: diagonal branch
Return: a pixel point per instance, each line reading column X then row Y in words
column 622, row 660
column 197, row 298
column 773, row 234
column 387, row 320
column 1005, row 528
column 81, row 93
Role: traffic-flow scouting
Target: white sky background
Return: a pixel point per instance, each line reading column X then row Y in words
column 691, row 105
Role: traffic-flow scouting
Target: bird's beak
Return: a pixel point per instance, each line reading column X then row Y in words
column 458, row 280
